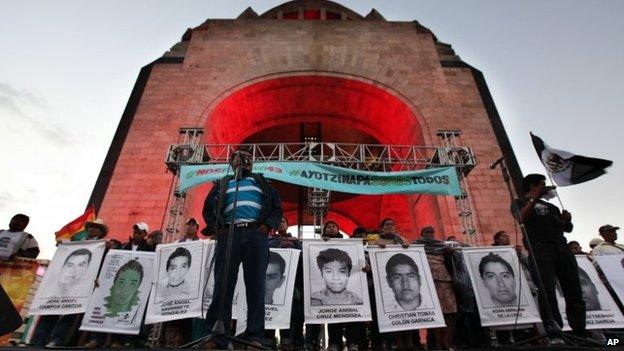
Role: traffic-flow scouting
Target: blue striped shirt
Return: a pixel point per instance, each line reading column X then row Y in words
column 248, row 204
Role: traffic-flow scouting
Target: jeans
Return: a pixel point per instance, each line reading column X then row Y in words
column 65, row 328
column 250, row 247
column 556, row 262
column 43, row 329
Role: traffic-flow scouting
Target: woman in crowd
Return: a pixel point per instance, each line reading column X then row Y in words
column 436, row 253
column 407, row 340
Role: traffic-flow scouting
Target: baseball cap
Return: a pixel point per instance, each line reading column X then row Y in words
column 142, row 226
column 595, row 241
column 607, row 227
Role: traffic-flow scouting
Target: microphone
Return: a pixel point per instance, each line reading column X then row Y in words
column 497, row 162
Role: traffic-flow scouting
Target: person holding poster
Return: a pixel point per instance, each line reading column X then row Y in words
column 335, row 289
column 602, row 310
column 437, row 251
column 118, row 303
column 405, row 294
column 15, row 242
column 65, row 291
column 545, row 226
column 388, row 235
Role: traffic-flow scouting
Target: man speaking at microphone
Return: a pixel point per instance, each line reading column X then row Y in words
column 257, row 210
column 545, row 226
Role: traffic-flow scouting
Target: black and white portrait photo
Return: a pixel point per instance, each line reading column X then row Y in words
column 335, row 268
column 499, row 279
column 175, row 285
column 70, row 276
column 178, row 282
column 601, row 309
column 405, row 295
column 335, row 287
column 275, row 279
column 500, row 287
column 280, row 278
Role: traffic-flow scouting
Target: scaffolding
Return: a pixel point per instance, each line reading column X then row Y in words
column 367, row 157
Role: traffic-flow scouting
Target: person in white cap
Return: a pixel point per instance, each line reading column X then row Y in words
column 608, row 246
column 138, row 242
column 191, row 227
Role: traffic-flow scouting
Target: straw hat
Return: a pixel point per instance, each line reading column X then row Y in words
column 98, row 223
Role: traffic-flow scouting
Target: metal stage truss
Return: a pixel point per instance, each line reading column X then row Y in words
column 368, row 157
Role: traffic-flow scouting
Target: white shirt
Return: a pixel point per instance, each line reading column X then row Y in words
column 606, row 248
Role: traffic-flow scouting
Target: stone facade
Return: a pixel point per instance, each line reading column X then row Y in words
column 396, row 83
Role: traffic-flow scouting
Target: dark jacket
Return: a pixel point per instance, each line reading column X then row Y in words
column 143, row 246
column 271, row 213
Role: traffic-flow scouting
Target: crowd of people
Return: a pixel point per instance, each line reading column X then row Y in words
column 260, row 225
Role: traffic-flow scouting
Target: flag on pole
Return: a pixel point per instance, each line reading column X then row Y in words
column 566, row 168
column 75, row 230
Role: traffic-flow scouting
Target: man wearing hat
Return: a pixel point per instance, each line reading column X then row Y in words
column 138, row 242
column 190, row 230
column 608, row 246
column 258, row 210
column 96, row 229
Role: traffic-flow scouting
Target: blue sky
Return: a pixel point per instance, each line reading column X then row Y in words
column 67, row 69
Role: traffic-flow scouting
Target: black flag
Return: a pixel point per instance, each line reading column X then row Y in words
column 566, row 168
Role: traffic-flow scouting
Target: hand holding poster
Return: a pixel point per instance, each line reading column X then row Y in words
column 602, row 311
column 118, row 303
column 178, row 283
column 613, row 268
column 68, row 282
column 278, row 294
column 335, row 288
column 501, row 289
column 405, row 294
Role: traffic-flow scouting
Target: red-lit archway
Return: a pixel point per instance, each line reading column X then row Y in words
column 345, row 110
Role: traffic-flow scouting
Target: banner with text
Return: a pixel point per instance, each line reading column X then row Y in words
column 68, row 282
column 438, row 181
column 118, row 303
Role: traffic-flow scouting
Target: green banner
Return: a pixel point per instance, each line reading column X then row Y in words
column 438, row 181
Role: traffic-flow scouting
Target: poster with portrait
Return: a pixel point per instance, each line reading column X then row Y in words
column 68, row 282
column 501, row 289
column 613, row 268
column 278, row 291
column 177, row 282
column 405, row 296
column 118, row 303
column 601, row 310
column 334, row 285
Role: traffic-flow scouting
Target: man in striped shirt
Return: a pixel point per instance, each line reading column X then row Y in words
column 252, row 213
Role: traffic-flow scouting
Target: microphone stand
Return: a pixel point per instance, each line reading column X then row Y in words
column 553, row 330
column 218, row 330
